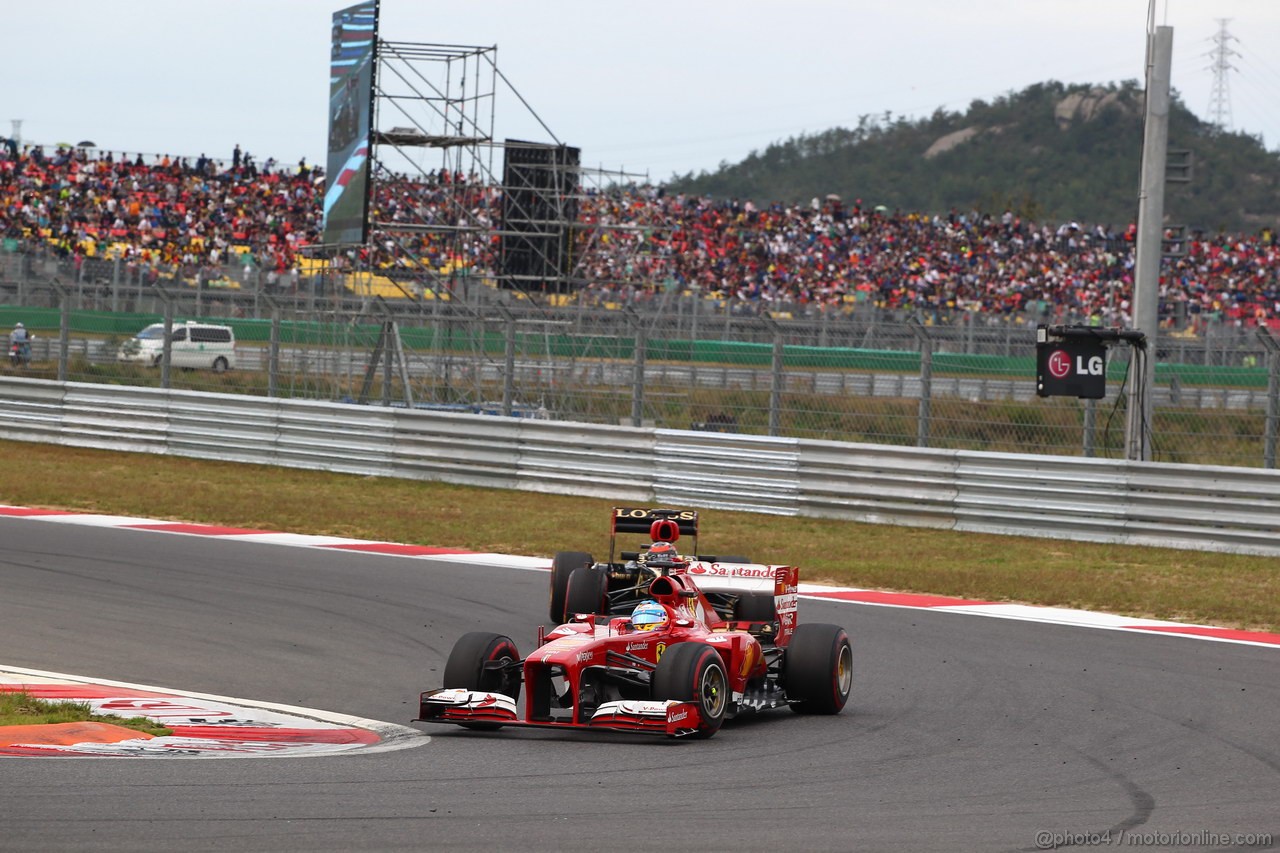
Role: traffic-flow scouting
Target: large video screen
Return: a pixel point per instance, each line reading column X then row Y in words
column 351, row 80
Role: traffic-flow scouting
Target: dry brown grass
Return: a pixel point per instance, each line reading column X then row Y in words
column 1220, row 589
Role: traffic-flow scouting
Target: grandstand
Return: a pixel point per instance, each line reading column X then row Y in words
column 229, row 229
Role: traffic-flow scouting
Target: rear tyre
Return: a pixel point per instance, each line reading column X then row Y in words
column 694, row 672
column 562, row 565
column 219, row 365
column 755, row 607
column 817, row 670
column 472, row 665
column 586, row 592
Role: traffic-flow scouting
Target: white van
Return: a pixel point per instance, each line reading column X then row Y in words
column 202, row 345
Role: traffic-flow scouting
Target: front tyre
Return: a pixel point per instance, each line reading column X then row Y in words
column 694, row 672
column 479, row 661
column 562, row 566
column 219, row 365
column 817, row 670
column 586, row 592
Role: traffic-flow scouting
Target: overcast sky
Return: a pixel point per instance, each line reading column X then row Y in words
column 655, row 87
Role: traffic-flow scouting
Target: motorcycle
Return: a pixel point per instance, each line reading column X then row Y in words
column 20, row 353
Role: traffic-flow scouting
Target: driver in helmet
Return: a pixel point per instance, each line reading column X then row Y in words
column 662, row 553
column 648, row 615
column 19, row 335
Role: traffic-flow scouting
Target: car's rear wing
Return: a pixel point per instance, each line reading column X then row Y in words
column 641, row 521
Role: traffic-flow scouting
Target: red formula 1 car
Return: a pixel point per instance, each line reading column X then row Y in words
column 674, row 666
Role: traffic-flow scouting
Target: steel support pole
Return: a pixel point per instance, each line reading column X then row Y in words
column 508, row 360
column 64, row 329
column 1273, row 409
column 777, row 378
column 1090, row 427
column 924, row 414
column 166, row 370
column 637, row 381
column 1146, row 284
column 388, row 353
column 273, row 342
column 167, row 351
column 1272, row 347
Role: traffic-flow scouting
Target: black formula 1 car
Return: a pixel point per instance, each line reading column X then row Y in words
column 616, row 586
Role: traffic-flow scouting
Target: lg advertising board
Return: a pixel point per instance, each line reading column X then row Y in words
column 352, row 66
column 1071, row 368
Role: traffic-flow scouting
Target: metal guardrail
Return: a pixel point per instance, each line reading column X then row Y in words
column 878, row 484
column 1139, row 503
column 749, row 473
column 759, row 375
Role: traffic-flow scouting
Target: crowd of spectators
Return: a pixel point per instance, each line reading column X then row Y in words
column 829, row 253
column 161, row 212
column 635, row 243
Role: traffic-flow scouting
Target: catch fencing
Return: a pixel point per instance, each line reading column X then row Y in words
column 961, row 381
column 1113, row 501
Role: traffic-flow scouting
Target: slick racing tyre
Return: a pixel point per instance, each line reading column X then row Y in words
column 755, row 607
column 476, row 663
column 562, row 565
column 694, row 672
column 586, row 592
column 817, row 671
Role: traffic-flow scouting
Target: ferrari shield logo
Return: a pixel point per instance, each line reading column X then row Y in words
column 658, row 650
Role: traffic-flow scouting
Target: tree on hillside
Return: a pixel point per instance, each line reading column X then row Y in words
column 1052, row 151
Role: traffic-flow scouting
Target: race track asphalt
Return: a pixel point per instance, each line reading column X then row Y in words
column 963, row 733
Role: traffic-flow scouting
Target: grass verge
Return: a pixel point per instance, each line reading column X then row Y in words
column 1198, row 586
column 23, row 709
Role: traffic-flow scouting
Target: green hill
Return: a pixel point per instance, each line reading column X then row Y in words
column 1051, row 152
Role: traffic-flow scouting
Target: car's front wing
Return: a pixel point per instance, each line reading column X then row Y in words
column 462, row 707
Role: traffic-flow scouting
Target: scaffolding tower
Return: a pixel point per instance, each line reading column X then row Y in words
column 446, row 192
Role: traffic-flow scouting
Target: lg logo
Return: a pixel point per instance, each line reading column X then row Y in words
column 1060, row 365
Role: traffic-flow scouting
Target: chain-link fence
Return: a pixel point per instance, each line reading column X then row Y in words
column 672, row 360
